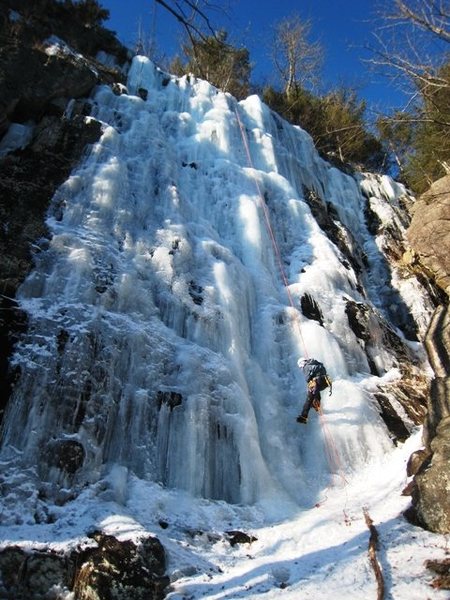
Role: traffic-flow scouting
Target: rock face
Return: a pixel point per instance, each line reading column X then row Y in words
column 44, row 90
column 107, row 570
column 121, row 570
column 45, row 84
column 429, row 233
column 48, row 53
column 429, row 236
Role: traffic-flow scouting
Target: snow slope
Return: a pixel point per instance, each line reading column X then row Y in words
column 164, row 335
column 315, row 552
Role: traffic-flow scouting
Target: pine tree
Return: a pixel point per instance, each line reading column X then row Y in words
column 214, row 59
column 430, row 159
column 335, row 121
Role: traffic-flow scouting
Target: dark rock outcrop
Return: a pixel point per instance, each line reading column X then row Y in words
column 442, row 569
column 392, row 419
column 429, row 236
column 48, row 68
column 311, row 309
column 109, row 569
column 116, row 570
column 239, row 537
column 49, row 51
column 66, row 455
column 171, row 399
column 328, row 220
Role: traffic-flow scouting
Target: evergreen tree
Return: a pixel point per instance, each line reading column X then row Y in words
column 88, row 12
column 430, row 158
column 335, row 121
column 419, row 139
column 345, row 133
column 214, row 59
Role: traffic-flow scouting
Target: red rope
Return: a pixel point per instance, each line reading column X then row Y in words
column 331, row 450
column 332, row 453
column 271, row 233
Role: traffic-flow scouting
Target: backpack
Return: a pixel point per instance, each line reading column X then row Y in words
column 316, row 372
column 313, row 369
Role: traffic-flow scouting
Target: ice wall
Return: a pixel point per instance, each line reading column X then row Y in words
column 161, row 338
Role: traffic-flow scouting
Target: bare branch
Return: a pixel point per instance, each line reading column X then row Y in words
column 179, row 8
column 372, row 551
column 432, row 17
column 401, row 44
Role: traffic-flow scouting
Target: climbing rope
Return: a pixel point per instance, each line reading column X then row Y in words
column 333, row 457
column 269, row 228
column 330, row 447
column 334, row 462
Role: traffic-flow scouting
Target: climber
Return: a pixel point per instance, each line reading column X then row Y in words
column 316, row 380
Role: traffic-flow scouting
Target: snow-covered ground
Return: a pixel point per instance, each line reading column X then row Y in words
column 181, row 249
column 320, row 552
column 317, row 552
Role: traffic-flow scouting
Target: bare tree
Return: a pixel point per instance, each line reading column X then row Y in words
column 413, row 48
column 297, row 59
column 432, row 16
column 145, row 43
column 412, row 44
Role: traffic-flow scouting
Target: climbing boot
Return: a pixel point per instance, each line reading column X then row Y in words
column 302, row 419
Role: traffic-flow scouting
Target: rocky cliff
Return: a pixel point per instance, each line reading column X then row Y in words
column 429, row 237
column 49, row 63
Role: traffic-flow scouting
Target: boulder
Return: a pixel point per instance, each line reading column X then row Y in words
column 120, row 570
column 31, row 575
column 430, row 497
column 109, row 569
column 442, row 570
column 429, row 232
column 66, row 455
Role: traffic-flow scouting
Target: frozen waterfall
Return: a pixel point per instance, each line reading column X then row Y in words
column 161, row 341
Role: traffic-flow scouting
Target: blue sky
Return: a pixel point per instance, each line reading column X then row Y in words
column 343, row 27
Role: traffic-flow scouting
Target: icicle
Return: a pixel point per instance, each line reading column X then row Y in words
column 160, row 340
